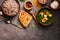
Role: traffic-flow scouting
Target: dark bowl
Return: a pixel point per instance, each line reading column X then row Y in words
column 11, row 15
column 49, row 22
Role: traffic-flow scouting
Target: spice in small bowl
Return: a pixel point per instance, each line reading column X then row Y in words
column 28, row 5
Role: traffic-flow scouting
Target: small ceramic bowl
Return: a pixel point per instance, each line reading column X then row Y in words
column 28, row 5
column 54, row 5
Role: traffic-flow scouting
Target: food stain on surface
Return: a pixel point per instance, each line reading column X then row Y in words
column 37, row 4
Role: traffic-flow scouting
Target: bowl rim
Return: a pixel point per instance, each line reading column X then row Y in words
column 48, row 23
column 41, row 3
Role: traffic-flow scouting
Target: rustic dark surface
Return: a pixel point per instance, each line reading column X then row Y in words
column 10, row 32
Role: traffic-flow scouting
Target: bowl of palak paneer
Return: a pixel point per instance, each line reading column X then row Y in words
column 45, row 16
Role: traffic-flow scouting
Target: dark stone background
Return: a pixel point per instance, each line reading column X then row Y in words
column 10, row 32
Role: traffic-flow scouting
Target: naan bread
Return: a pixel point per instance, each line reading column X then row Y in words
column 25, row 18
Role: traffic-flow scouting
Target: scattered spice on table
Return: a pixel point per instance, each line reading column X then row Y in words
column 33, row 26
column 37, row 4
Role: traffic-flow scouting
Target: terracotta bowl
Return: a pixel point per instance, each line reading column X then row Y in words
column 26, row 6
